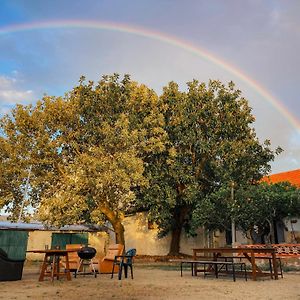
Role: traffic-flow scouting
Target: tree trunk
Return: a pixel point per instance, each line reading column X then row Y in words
column 179, row 215
column 175, row 241
column 116, row 222
column 119, row 232
column 272, row 232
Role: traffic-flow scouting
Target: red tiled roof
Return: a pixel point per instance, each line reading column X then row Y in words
column 292, row 177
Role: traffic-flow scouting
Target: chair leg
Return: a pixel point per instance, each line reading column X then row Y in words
column 131, row 269
column 126, row 270
column 112, row 272
column 120, row 271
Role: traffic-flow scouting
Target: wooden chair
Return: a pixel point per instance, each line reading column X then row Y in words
column 105, row 264
column 73, row 257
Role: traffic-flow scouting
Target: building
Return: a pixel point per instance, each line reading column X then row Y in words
column 293, row 177
column 291, row 232
column 17, row 238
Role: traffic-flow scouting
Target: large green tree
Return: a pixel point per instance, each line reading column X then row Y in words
column 211, row 143
column 89, row 153
column 83, row 152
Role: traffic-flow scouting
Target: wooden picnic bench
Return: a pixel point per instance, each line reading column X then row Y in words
column 282, row 251
column 247, row 253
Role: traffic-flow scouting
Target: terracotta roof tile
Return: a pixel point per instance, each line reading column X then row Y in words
column 291, row 176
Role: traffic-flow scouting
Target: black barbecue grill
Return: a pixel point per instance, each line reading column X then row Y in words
column 87, row 252
column 86, row 255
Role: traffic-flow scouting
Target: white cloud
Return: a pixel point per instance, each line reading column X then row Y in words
column 11, row 93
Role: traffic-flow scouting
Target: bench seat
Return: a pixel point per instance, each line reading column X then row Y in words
column 215, row 266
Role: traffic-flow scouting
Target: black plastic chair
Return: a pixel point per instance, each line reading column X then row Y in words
column 10, row 269
column 124, row 261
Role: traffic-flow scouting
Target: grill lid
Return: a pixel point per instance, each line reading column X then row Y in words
column 86, row 252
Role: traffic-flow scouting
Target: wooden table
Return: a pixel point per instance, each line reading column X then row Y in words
column 52, row 258
column 248, row 253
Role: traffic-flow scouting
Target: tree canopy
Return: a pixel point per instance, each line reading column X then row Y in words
column 113, row 146
column 83, row 150
column 211, row 143
column 256, row 209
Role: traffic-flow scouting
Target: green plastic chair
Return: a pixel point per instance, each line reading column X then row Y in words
column 124, row 261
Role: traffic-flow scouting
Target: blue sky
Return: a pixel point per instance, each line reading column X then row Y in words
column 261, row 38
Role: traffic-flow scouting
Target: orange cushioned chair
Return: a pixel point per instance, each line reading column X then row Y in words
column 73, row 256
column 106, row 263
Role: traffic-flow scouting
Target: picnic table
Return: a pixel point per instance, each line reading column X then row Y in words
column 52, row 259
column 243, row 252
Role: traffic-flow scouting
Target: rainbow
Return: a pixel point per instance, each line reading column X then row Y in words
column 168, row 39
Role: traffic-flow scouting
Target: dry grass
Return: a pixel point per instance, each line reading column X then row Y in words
column 152, row 280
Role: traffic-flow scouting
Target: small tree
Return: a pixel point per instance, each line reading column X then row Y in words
column 259, row 207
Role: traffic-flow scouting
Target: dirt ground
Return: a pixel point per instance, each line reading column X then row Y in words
column 150, row 282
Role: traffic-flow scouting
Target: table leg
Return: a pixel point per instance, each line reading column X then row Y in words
column 275, row 268
column 57, row 266
column 53, row 267
column 233, row 271
column 253, row 264
column 216, row 270
column 44, row 268
column 67, row 269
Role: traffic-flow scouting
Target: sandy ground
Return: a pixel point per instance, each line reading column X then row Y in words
column 150, row 282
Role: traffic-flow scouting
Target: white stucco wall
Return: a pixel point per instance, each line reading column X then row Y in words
column 290, row 226
column 293, row 230
column 98, row 240
column 145, row 240
column 38, row 240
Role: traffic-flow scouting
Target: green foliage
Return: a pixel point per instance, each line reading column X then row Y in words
column 84, row 151
column 258, row 206
column 114, row 146
column 211, row 142
column 214, row 212
column 255, row 207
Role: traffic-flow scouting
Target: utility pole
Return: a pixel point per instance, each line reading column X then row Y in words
column 233, row 231
column 25, row 194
